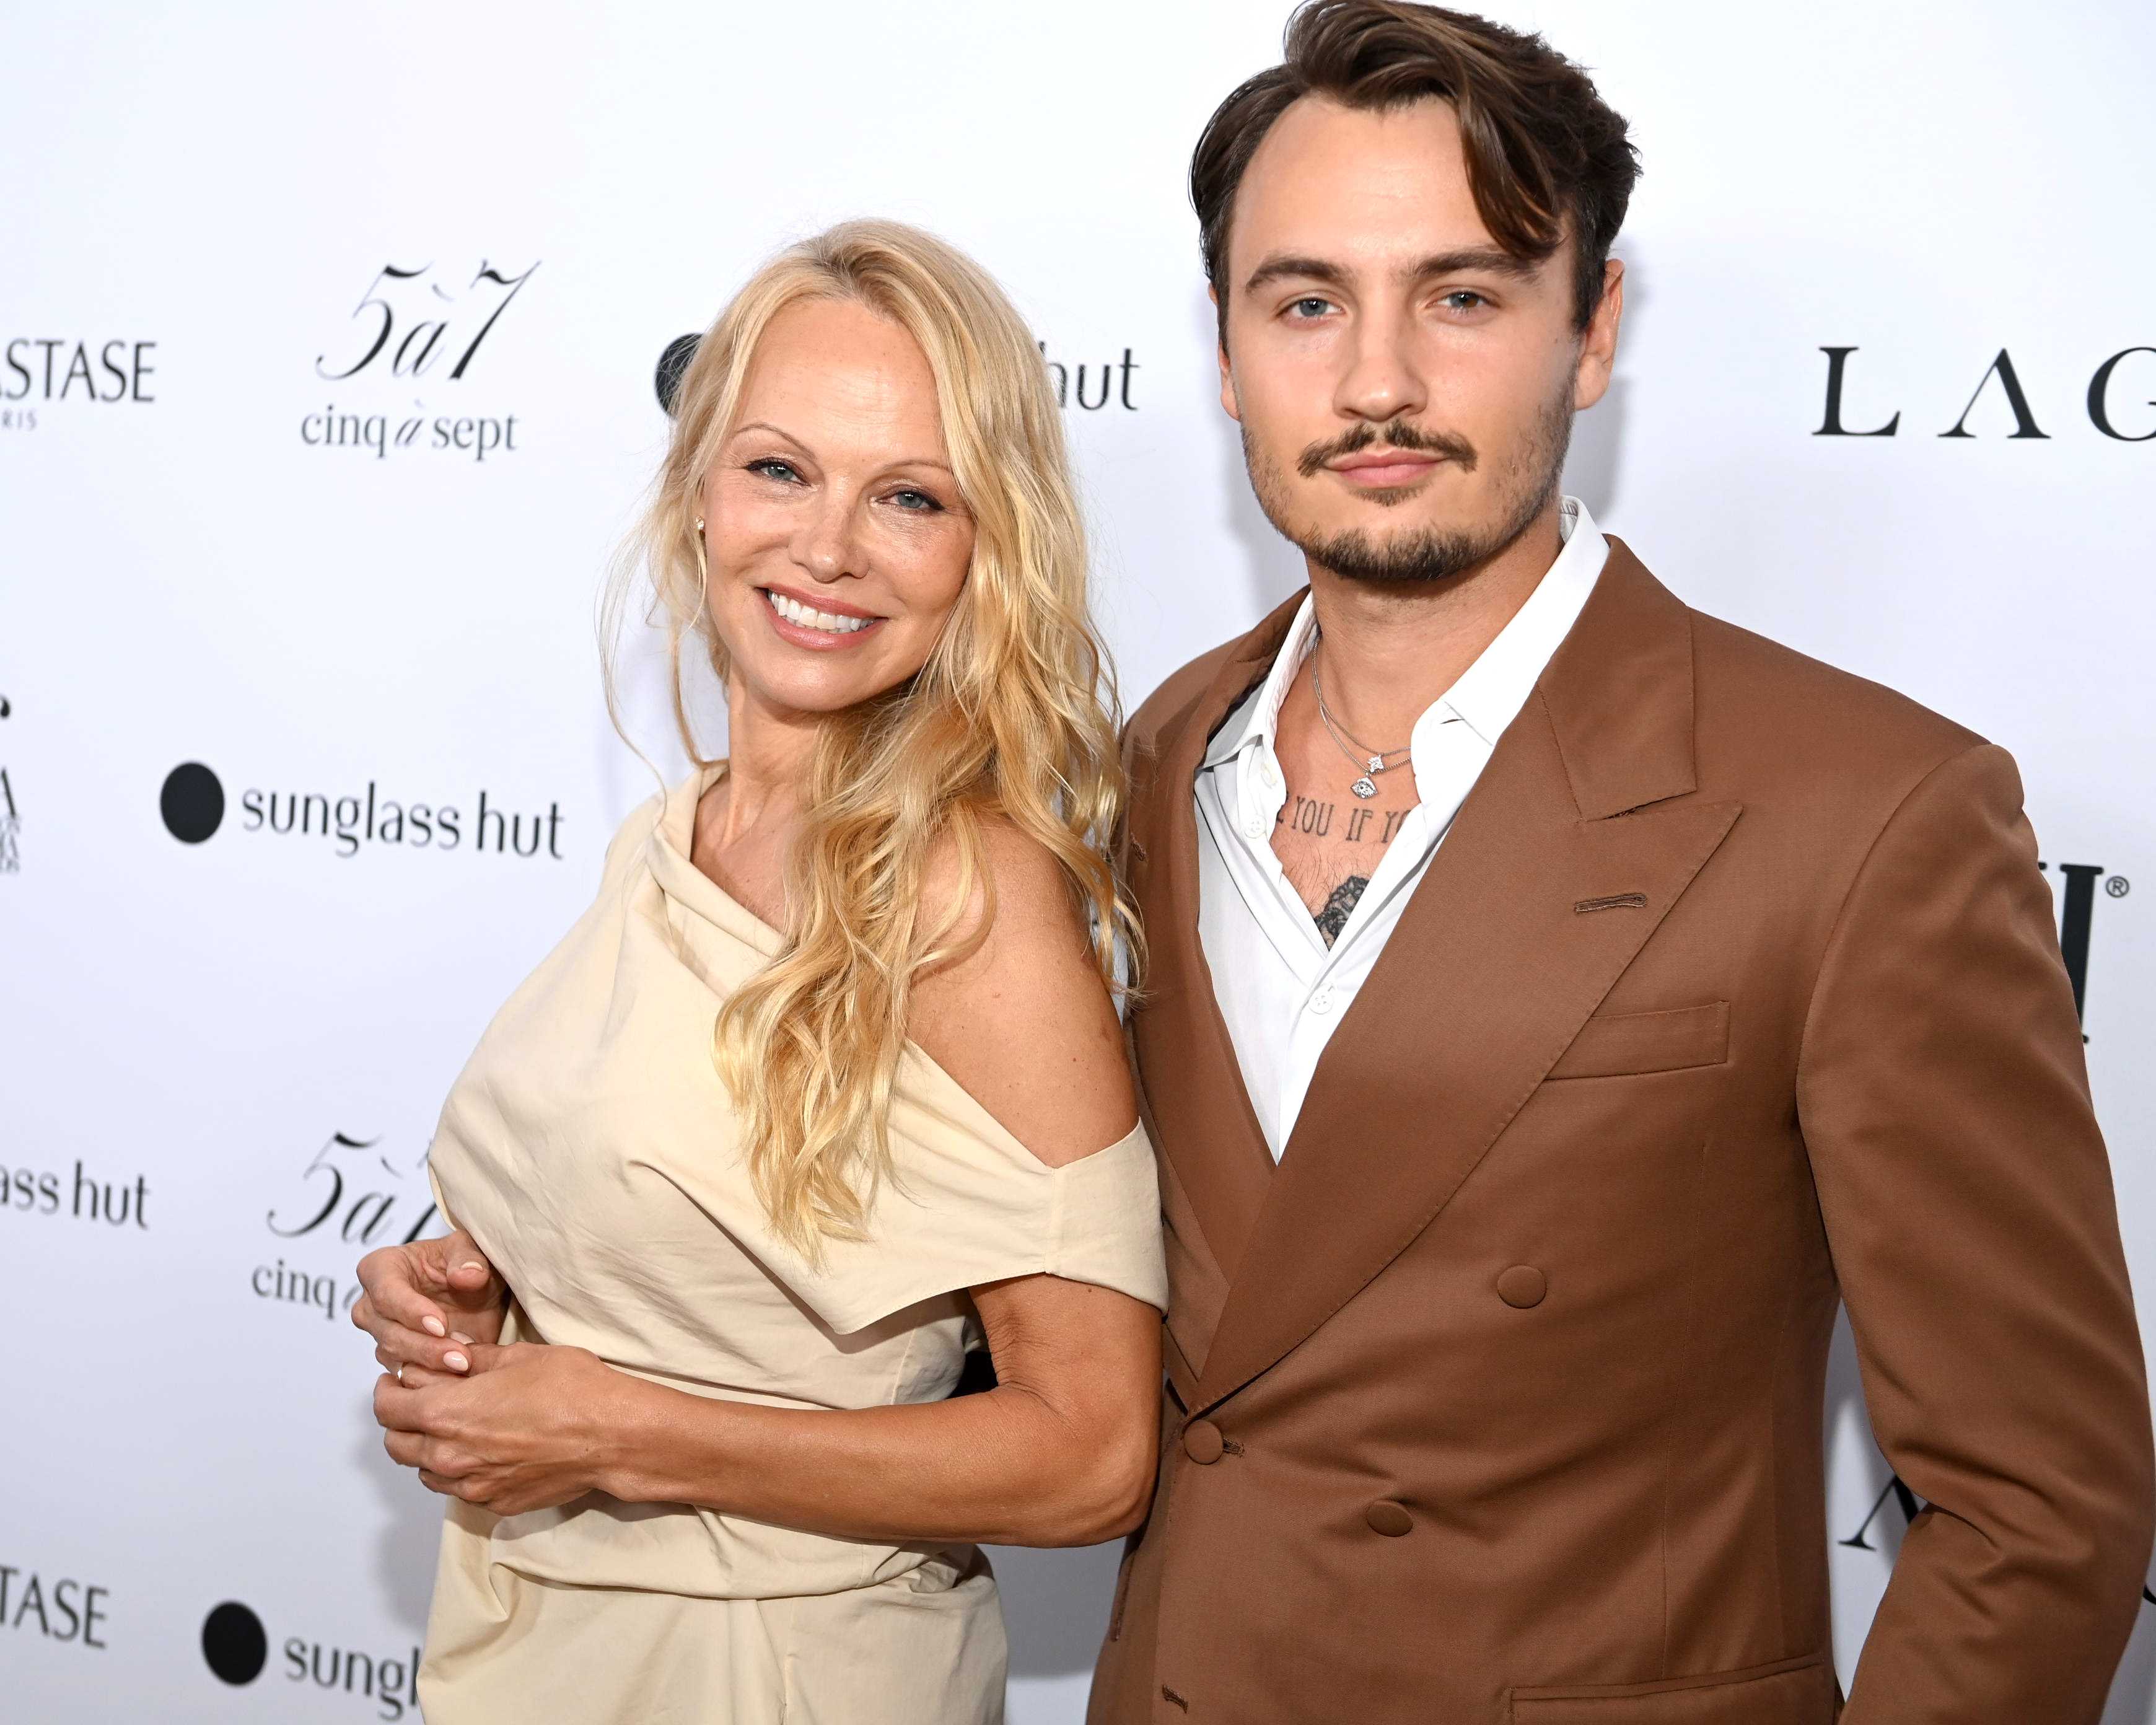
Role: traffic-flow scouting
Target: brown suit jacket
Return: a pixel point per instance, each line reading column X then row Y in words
column 1732, row 993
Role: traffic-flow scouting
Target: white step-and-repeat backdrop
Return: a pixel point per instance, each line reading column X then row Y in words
column 327, row 345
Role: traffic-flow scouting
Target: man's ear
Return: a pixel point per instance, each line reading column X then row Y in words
column 1598, row 346
column 1228, row 401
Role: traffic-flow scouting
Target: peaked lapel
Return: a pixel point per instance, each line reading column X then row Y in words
column 1491, row 972
column 1201, row 1117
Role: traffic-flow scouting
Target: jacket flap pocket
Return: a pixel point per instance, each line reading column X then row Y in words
column 1610, row 1045
column 1791, row 1691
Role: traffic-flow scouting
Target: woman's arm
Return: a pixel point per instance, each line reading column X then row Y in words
column 1060, row 1453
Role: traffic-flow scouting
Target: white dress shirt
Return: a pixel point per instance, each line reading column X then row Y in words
column 1281, row 989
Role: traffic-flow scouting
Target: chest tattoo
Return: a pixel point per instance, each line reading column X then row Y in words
column 1339, row 906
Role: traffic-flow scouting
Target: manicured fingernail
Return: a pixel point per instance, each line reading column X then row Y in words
column 433, row 1327
column 456, row 1362
column 472, row 1265
column 459, row 1336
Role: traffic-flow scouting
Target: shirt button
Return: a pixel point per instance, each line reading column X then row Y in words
column 1256, row 828
column 1265, row 771
column 1321, row 1001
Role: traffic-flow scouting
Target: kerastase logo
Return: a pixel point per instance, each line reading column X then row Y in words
column 191, row 803
column 415, row 326
column 58, row 1607
column 2115, row 400
column 41, row 373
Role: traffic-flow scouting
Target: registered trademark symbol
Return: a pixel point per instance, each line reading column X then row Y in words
column 2118, row 886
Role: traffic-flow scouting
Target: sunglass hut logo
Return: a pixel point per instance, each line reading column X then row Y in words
column 194, row 806
column 400, row 369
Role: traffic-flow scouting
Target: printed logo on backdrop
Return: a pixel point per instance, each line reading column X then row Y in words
column 2076, row 924
column 1091, row 387
column 2119, row 400
column 235, row 1645
column 2077, row 899
column 11, row 822
column 41, row 376
column 350, row 1197
column 59, row 1608
column 193, row 805
column 404, row 365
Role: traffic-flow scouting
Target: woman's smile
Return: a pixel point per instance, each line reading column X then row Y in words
column 819, row 624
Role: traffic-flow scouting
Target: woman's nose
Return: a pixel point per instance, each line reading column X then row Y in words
column 830, row 547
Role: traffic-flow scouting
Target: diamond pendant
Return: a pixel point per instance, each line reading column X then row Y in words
column 1377, row 763
column 1363, row 787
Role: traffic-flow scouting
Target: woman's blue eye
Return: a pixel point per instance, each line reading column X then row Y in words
column 920, row 501
column 772, row 468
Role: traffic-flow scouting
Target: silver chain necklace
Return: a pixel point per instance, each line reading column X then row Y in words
column 1370, row 762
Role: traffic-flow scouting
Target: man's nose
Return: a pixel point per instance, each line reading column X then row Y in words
column 1382, row 380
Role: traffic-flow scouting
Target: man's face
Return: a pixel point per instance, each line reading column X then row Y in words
column 1405, row 387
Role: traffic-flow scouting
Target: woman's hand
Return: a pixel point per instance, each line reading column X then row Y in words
column 523, row 1431
column 427, row 1302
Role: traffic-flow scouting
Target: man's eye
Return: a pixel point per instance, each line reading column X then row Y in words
column 920, row 501
column 771, row 467
column 1311, row 306
column 1464, row 299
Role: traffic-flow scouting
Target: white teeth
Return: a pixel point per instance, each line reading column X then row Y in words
column 802, row 617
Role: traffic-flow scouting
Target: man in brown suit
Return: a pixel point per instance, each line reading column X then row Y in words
column 1560, row 1002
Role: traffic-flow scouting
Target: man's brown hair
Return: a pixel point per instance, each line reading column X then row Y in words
column 1547, row 158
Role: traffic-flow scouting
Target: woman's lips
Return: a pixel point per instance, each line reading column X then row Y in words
column 822, row 626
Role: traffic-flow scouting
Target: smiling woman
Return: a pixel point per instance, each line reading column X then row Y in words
column 816, row 1094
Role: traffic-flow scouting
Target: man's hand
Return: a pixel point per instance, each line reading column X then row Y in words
column 524, row 1431
column 426, row 1303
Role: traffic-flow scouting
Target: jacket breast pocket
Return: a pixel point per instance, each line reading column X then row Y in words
column 1791, row 1691
column 1614, row 1045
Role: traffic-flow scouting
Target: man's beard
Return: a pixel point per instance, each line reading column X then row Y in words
column 1424, row 554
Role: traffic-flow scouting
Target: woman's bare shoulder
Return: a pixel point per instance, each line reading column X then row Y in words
column 1025, row 1022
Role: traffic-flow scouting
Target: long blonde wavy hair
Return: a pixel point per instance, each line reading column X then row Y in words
column 1013, row 715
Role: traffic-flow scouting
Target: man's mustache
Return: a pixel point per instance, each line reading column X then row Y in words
column 1397, row 435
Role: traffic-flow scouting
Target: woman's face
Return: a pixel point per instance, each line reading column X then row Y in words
column 835, row 535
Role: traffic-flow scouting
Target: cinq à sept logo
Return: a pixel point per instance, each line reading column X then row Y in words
column 352, row 1198
column 411, row 325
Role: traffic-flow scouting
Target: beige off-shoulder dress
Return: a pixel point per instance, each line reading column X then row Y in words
column 592, row 1151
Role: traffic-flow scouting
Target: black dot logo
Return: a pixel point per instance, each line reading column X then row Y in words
column 673, row 366
column 235, row 1643
column 192, row 803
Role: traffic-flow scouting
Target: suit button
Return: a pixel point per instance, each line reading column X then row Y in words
column 1202, row 1442
column 1522, row 1286
column 1389, row 1518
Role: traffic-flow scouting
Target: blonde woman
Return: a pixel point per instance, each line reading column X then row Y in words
column 825, row 1084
